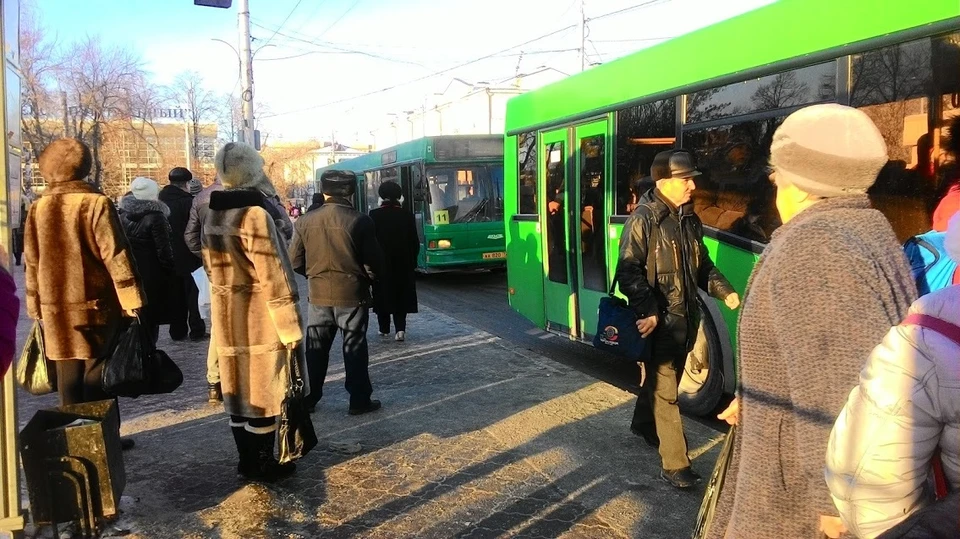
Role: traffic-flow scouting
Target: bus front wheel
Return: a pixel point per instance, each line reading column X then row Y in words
column 701, row 386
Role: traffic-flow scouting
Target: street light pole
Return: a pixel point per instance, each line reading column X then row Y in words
column 246, row 68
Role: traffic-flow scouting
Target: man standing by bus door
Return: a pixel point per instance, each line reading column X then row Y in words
column 336, row 248
column 668, row 311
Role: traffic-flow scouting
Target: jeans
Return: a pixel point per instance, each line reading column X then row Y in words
column 322, row 326
column 399, row 321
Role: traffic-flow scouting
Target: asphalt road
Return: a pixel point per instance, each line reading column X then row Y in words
column 480, row 300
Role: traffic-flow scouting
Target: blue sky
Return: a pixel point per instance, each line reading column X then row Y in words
column 401, row 40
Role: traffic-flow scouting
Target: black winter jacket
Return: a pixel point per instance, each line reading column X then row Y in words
column 336, row 248
column 145, row 224
column 198, row 211
column 179, row 202
column 682, row 266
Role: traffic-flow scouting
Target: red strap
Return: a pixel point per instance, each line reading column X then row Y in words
column 952, row 332
column 948, row 330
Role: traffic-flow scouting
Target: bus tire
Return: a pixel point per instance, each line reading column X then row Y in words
column 701, row 385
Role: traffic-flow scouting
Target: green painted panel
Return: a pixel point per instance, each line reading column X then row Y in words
column 525, row 270
column 736, row 265
column 785, row 30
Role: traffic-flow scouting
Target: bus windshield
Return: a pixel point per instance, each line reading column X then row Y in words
column 465, row 194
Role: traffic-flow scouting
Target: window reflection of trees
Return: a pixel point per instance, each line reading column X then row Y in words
column 527, row 173
column 592, row 219
column 642, row 132
column 734, row 193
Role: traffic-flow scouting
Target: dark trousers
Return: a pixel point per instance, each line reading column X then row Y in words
column 184, row 309
column 79, row 381
column 399, row 321
column 322, row 326
column 657, row 405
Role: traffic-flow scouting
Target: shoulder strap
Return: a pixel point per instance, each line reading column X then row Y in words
column 651, row 259
column 948, row 330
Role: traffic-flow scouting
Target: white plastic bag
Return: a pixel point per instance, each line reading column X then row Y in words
column 203, row 284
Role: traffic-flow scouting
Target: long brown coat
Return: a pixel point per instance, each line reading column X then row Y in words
column 254, row 302
column 827, row 288
column 80, row 271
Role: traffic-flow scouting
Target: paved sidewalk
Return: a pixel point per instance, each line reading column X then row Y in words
column 476, row 439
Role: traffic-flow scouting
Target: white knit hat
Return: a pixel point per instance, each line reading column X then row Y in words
column 951, row 243
column 828, row 150
column 144, row 189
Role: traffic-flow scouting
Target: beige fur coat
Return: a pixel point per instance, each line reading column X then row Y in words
column 254, row 302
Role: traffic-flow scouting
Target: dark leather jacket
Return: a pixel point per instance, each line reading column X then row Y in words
column 336, row 248
column 682, row 265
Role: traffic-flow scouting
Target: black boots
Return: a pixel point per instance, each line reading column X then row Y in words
column 683, row 478
column 257, row 462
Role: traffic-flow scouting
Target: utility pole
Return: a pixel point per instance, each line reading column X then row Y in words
column 246, row 69
column 582, row 25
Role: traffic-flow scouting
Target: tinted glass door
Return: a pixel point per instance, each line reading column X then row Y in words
column 588, row 236
column 558, row 216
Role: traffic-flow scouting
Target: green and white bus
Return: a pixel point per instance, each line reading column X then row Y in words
column 454, row 187
column 578, row 152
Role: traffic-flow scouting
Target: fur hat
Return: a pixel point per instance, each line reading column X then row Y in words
column 390, row 191
column 180, row 175
column 65, row 160
column 828, row 150
column 338, row 183
column 951, row 243
column 239, row 166
column 144, row 189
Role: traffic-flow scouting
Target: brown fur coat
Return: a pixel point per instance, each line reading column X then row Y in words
column 80, row 271
column 254, row 302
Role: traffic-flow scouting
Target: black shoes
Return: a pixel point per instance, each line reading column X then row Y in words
column 214, row 393
column 648, row 433
column 683, row 478
column 372, row 406
column 257, row 462
column 126, row 444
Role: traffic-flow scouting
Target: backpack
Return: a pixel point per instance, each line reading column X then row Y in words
column 932, row 269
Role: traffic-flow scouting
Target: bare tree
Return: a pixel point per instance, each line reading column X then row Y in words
column 99, row 83
column 289, row 167
column 200, row 104
column 39, row 61
column 229, row 118
column 783, row 91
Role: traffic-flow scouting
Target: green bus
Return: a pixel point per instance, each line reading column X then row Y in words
column 454, row 187
column 578, row 152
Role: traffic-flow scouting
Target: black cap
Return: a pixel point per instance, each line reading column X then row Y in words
column 682, row 165
column 338, row 183
column 390, row 191
column 180, row 175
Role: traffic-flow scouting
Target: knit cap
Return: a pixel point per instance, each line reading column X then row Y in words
column 194, row 186
column 828, row 150
column 144, row 189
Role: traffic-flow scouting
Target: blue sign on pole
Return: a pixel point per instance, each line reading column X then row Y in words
column 213, row 3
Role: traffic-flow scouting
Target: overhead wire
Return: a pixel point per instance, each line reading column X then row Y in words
column 283, row 23
column 423, row 78
column 345, row 13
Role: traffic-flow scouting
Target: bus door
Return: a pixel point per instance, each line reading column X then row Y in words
column 588, row 235
column 558, row 215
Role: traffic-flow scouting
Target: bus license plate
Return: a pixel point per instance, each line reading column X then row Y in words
column 499, row 254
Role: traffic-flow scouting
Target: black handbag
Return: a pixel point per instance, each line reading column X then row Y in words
column 136, row 367
column 295, row 434
column 36, row 373
column 714, row 487
column 617, row 323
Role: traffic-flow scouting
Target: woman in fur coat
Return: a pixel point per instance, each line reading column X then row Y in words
column 254, row 305
column 81, row 277
column 144, row 220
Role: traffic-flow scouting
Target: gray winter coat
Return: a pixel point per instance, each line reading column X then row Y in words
column 827, row 288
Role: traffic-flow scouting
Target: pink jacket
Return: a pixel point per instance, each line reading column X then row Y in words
column 9, row 315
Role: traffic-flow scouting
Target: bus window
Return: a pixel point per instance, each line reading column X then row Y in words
column 527, row 173
column 592, row 227
column 910, row 91
column 555, row 195
column 372, row 181
column 734, row 192
column 643, row 131
column 496, row 190
column 463, row 194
